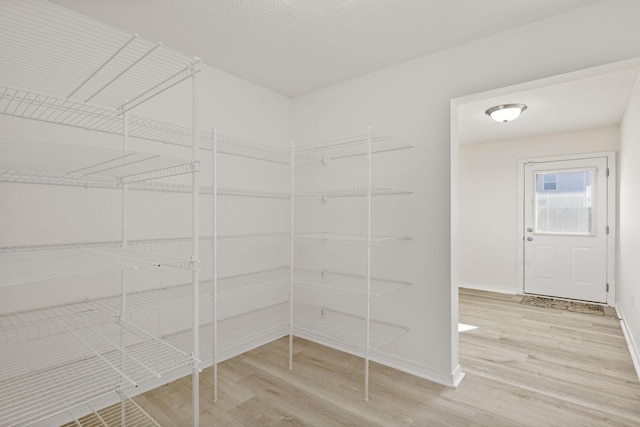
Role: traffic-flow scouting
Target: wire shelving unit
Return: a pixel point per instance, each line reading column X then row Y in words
column 235, row 335
column 239, row 333
column 357, row 335
column 105, row 358
column 350, row 192
column 344, row 331
column 71, row 71
column 348, row 147
column 346, row 284
column 128, row 412
column 347, row 239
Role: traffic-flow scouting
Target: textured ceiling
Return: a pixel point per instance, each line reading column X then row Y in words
column 585, row 103
column 296, row 46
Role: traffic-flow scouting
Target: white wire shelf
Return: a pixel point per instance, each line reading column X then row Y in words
column 339, row 329
column 350, row 192
column 255, row 237
column 19, row 265
column 237, row 147
column 125, row 413
column 37, row 106
column 253, row 281
column 143, row 302
column 47, row 163
column 346, row 239
column 346, row 284
column 237, row 334
column 53, row 48
column 41, row 323
column 39, row 379
column 243, row 192
column 352, row 146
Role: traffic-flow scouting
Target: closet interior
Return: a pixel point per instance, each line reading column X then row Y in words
column 135, row 251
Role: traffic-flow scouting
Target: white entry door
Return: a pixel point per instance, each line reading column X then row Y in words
column 565, row 236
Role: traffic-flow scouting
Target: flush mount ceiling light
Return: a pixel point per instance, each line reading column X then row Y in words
column 505, row 112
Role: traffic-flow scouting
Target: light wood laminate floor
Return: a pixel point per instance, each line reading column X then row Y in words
column 525, row 366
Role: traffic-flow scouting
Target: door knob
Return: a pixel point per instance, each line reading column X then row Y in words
column 529, row 229
column 529, row 239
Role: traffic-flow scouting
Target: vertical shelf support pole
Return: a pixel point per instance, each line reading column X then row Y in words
column 291, row 255
column 195, row 267
column 125, row 190
column 123, row 279
column 368, row 317
column 214, row 194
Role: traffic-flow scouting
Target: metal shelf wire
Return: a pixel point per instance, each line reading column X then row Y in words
column 41, row 378
column 53, row 48
column 45, row 322
column 346, row 284
column 255, row 237
column 51, row 163
column 252, row 282
column 237, row 334
column 347, row 147
column 37, row 106
column 125, row 413
column 237, row 147
column 21, row 265
column 335, row 328
column 243, row 192
column 350, row 192
column 346, row 239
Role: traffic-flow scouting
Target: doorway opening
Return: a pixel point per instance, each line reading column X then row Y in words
column 566, row 222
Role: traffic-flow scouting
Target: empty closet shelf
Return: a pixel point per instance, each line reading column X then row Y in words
column 345, row 284
column 253, row 281
column 346, row 239
column 349, row 147
column 244, row 192
column 154, row 300
column 237, row 334
column 343, row 330
column 125, row 413
column 41, row 378
column 60, row 110
column 255, row 237
column 45, row 322
column 237, row 147
column 82, row 58
column 50, row 163
column 350, row 192
column 31, row 264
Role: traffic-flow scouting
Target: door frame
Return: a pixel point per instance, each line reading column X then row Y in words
column 611, row 216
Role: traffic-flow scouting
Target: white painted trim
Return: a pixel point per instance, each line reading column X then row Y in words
column 634, row 349
column 487, row 288
column 586, row 73
column 611, row 216
column 454, row 175
column 449, row 379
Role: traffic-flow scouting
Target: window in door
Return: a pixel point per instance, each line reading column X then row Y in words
column 563, row 202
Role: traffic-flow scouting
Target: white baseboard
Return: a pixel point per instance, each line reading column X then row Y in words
column 449, row 379
column 487, row 288
column 634, row 349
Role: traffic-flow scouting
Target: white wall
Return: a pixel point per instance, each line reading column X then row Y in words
column 628, row 296
column 488, row 179
column 411, row 102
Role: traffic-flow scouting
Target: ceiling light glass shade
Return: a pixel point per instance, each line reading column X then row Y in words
column 506, row 112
